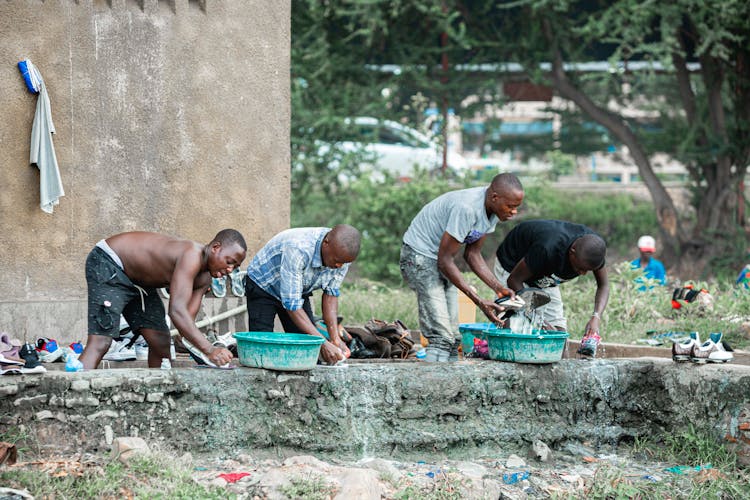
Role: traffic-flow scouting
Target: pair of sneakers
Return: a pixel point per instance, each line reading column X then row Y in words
column 713, row 350
column 237, row 284
column 26, row 361
column 48, row 350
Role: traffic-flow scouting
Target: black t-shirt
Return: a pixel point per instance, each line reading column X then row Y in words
column 544, row 244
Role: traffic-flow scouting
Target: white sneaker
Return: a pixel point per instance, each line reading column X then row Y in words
column 711, row 352
column 118, row 351
column 141, row 351
column 227, row 340
column 196, row 353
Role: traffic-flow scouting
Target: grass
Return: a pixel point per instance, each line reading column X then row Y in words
column 148, row 476
column 629, row 315
column 312, row 487
column 444, row 487
column 722, row 479
column 20, row 437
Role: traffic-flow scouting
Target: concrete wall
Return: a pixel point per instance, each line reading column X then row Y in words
column 171, row 116
column 405, row 410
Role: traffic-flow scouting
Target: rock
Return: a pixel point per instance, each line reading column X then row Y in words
column 541, row 451
column 385, row 467
column 109, row 434
column 272, row 482
column 125, row 448
column 44, row 414
column 219, row 482
column 307, row 460
column 359, row 483
column 745, row 330
column 514, row 461
column 579, row 449
column 472, row 470
column 14, row 494
column 187, row 459
column 275, row 394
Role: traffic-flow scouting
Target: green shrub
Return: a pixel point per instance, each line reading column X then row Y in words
column 383, row 210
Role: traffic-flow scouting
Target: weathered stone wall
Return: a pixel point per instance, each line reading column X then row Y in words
column 170, row 115
column 392, row 409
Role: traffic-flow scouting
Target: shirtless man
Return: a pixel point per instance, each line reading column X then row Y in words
column 123, row 273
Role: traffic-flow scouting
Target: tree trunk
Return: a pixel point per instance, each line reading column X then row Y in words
column 666, row 213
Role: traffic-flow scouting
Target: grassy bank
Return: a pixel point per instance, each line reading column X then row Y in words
column 630, row 313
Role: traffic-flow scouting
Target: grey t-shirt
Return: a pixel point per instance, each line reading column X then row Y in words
column 459, row 213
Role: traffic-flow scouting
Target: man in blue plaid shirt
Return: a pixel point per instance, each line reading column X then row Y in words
column 285, row 272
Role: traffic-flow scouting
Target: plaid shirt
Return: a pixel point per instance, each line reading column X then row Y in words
column 290, row 266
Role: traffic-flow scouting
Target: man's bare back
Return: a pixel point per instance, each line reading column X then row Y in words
column 149, row 259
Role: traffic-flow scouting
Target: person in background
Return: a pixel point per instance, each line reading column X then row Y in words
column 284, row 273
column 435, row 236
column 743, row 278
column 546, row 253
column 652, row 268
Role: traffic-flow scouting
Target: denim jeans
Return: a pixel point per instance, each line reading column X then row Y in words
column 552, row 312
column 437, row 299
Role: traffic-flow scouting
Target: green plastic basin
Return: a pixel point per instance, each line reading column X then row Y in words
column 278, row 351
column 540, row 347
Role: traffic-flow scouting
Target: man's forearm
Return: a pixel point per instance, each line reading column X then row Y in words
column 300, row 318
column 330, row 317
column 484, row 273
column 451, row 271
column 185, row 325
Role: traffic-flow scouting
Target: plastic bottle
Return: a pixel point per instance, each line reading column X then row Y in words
column 513, row 478
column 73, row 365
column 172, row 354
column 421, row 354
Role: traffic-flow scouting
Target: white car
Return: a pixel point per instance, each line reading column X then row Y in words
column 397, row 149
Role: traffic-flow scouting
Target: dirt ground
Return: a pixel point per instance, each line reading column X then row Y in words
column 576, row 472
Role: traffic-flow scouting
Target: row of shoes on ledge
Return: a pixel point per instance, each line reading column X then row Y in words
column 237, row 284
column 713, row 350
column 18, row 358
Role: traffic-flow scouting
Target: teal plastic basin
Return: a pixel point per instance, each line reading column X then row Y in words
column 470, row 331
column 278, row 351
column 540, row 347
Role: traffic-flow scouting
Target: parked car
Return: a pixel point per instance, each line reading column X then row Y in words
column 394, row 148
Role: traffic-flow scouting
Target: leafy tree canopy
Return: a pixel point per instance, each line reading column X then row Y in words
column 686, row 62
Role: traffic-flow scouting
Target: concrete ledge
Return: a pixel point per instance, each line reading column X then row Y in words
column 464, row 409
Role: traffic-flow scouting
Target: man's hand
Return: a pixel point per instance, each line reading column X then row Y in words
column 341, row 345
column 501, row 292
column 491, row 310
column 593, row 325
column 219, row 356
column 331, row 354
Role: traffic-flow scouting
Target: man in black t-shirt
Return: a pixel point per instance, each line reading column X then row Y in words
column 546, row 253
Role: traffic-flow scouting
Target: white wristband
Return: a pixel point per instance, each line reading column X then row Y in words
column 595, row 315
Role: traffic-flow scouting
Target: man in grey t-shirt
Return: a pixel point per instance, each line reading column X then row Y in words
column 430, row 245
